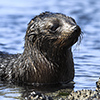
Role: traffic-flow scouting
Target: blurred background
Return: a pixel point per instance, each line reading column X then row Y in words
column 15, row 15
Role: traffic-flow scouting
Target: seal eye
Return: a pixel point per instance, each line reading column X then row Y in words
column 54, row 27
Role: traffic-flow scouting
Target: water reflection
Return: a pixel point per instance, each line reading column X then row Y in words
column 14, row 92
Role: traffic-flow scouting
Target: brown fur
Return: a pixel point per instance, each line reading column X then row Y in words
column 47, row 56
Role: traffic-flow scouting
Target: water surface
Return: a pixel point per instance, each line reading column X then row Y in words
column 14, row 17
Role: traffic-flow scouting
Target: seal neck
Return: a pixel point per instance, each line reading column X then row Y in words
column 47, row 55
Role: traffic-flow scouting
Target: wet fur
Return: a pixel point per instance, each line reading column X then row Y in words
column 47, row 56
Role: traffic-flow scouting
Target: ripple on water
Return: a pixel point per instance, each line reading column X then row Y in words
column 14, row 16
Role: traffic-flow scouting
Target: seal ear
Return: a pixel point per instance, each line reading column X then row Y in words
column 32, row 37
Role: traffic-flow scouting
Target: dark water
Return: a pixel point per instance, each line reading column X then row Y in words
column 14, row 16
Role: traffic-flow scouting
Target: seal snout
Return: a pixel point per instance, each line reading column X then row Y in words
column 77, row 29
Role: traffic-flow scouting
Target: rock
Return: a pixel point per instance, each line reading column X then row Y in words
column 78, row 95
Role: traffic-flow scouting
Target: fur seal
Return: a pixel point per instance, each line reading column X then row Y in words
column 47, row 56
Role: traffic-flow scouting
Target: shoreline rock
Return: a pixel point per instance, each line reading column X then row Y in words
column 74, row 95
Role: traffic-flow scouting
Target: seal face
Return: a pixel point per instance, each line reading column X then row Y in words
column 47, row 56
column 57, row 28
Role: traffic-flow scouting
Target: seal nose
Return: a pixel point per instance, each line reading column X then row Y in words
column 77, row 29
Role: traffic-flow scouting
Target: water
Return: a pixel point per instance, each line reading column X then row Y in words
column 14, row 16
